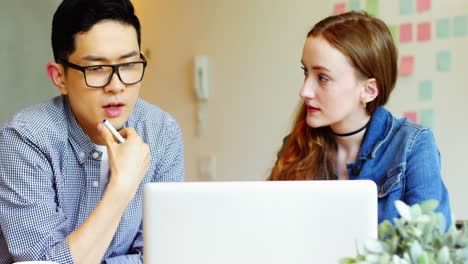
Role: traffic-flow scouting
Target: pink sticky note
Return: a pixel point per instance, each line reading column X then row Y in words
column 413, row 116
column 424, row 31
column 406, row 32
column 406, row 65
column 339, row 8
column 423, row 5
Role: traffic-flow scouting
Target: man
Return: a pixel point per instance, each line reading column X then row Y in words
column 69, row 192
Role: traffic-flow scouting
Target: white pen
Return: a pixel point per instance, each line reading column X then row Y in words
column 113, row 131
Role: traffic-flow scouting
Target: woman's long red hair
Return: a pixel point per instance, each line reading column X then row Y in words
column 310, row 153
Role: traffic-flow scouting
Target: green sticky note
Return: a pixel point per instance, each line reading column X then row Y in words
column 444, row 61
column 354, row 5
column 372, row 7
column 394, row 30
column 407, row 7
column 427, row 118
column 443, row 28
column 425, row 90
column 460, row 26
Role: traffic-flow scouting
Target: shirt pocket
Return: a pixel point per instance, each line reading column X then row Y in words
column 391, row 181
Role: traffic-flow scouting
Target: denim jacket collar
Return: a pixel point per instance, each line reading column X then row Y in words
column 377, row 132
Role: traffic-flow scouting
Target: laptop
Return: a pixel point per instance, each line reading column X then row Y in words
column 300, row 222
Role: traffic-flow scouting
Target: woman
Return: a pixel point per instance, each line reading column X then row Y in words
column 341, row 130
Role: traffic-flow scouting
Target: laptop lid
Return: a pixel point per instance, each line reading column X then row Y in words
column 299, row 222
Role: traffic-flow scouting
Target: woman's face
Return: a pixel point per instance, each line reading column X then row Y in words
column 332, row 91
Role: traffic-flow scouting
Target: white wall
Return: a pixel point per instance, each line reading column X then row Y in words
column 254, row 50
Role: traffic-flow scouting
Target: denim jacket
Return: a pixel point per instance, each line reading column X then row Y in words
column 403, row 160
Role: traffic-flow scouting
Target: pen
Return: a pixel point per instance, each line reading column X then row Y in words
column 113, row 131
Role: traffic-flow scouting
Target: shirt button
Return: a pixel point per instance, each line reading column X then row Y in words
column 96, row 184
column 82, row 155
column 95, row 155
column 356, row 171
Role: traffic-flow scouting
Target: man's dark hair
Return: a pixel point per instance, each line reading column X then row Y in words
column 78, row 16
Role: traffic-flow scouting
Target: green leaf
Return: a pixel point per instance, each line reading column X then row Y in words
column 440, row 222
column 423, row 258
column 384, row 259
column 429, row 206
column 414, row 231
column 403, row 210
column 375, row 246
column 462, row 253
column 347, row 261
column 415, row 250
column 423, row 219
column 371, row 258
column 386, row 230
column 443, row 255
column 415, row 211
column 401, row 227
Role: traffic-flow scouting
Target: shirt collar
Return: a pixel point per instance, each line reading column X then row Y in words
column 80, row 142
column 378, row 130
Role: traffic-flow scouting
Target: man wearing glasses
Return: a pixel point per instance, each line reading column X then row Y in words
column 69, row 192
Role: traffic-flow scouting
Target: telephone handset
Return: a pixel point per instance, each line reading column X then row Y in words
column 201, row 77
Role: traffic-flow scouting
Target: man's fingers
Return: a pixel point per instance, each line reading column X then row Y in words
column 128, row 132
column 106, row 135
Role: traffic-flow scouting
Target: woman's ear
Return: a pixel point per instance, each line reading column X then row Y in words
column 56, row 74
column 370, row 91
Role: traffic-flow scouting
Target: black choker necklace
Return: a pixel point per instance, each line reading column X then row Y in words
column 351, row 133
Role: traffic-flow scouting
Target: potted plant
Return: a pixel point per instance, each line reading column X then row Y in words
column 418, row 236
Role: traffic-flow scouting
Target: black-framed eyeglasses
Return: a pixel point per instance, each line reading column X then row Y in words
column 99, row 76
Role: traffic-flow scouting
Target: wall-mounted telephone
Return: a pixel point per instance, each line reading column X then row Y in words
column 201, row 77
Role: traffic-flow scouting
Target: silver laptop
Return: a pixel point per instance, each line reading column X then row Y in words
column 300, row 222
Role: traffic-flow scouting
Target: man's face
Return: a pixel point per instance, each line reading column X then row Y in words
column 108, row 42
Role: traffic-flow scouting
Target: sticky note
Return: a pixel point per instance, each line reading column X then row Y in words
column 339, row 8
column 423, row 5
column 424, row 31
column 406, row 32
column 354, row 5
column 425, row 90
column 427, row 118
column 460, row 26
column 394, row 31
column 406, row 7
column 413, row 116
column 444, row 61
column 443, row 28
column 406, row 65
column 372, row 7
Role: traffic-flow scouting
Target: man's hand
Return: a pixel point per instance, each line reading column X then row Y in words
column 128, row 161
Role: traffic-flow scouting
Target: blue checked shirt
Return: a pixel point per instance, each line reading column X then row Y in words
column 50, row 181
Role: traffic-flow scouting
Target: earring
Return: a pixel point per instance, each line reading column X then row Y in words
column 363, row 102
